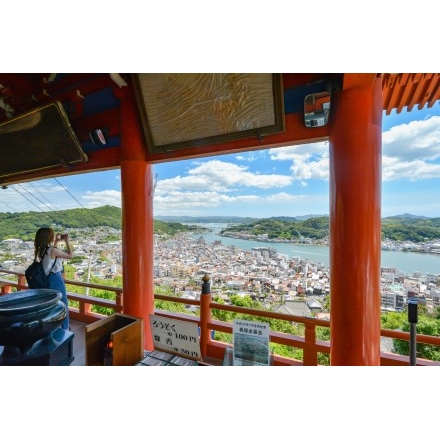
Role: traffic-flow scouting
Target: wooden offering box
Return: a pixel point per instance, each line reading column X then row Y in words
column 116, row 340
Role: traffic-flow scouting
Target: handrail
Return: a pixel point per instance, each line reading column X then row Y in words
column 214, row 350
column 81, row 313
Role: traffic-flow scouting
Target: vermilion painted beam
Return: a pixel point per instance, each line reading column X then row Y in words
column 110, row 119
column 352, row 80
column 97, row 161
column 295, row 133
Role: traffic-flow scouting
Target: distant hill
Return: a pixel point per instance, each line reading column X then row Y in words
column 411, row 227
column 24, row 224
column 416, row 229
column 207, row 219
column 298, row 218
column 409, row 216
column 316, row 228
column 231, row 219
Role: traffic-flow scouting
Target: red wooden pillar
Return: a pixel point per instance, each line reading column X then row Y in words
column 137, row 219
column 355, row 222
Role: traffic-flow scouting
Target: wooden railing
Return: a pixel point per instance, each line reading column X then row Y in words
column 85, row 302
column 212, row 350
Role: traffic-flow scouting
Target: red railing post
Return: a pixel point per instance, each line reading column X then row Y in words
column 310, row 356
column 205, row 315
column 6, row 288
column 22, row 283
column 119, row 305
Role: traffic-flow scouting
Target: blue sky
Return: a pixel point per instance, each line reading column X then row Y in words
column 287, row 181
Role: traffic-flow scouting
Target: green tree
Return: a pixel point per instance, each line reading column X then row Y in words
column 425, row 326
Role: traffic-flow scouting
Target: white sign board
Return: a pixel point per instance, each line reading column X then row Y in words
column 173, row 335
column 251, row 343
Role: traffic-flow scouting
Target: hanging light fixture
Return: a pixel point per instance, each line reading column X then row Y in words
column 98, row 136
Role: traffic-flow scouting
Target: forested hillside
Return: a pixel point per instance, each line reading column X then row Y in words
column 398, row 228
column 24, row 224
column 312, row 228
column 410, row 228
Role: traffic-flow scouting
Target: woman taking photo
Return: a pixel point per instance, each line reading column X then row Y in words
column 46, row 249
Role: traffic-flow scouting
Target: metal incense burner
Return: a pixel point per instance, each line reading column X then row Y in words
column 30, row 318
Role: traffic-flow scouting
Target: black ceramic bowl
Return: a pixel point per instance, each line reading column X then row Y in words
column 29, row 315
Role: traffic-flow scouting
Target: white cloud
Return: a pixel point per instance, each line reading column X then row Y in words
column 393, row 169
column 409, row 151
column 311, row 169
column 191, row 203
column 222, row 177
column 33, row 196
column 252, row 156
column 309, row 161
column 283, row 197
column 208, row 198
column 415, row 140
column 300, row 151
column 412, row 151
column 95, row 199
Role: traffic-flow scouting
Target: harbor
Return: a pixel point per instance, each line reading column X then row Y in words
column 284, row 277
column 407, row 262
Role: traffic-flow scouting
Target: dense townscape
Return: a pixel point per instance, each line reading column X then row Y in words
column 289, row 285
column 286, row 285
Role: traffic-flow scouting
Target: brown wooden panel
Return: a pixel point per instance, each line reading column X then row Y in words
column 126, row 334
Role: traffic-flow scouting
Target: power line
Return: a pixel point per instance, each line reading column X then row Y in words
column 44, row 197
column 9, row 207
column 21, row 193
column 65, row 189
column 30, row 201
column 73, row 197
column 33, row 195
column 39, row 192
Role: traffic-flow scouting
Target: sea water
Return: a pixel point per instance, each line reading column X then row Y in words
column 406, row 262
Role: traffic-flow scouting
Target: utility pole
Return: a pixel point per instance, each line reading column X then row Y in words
column 88, row 271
